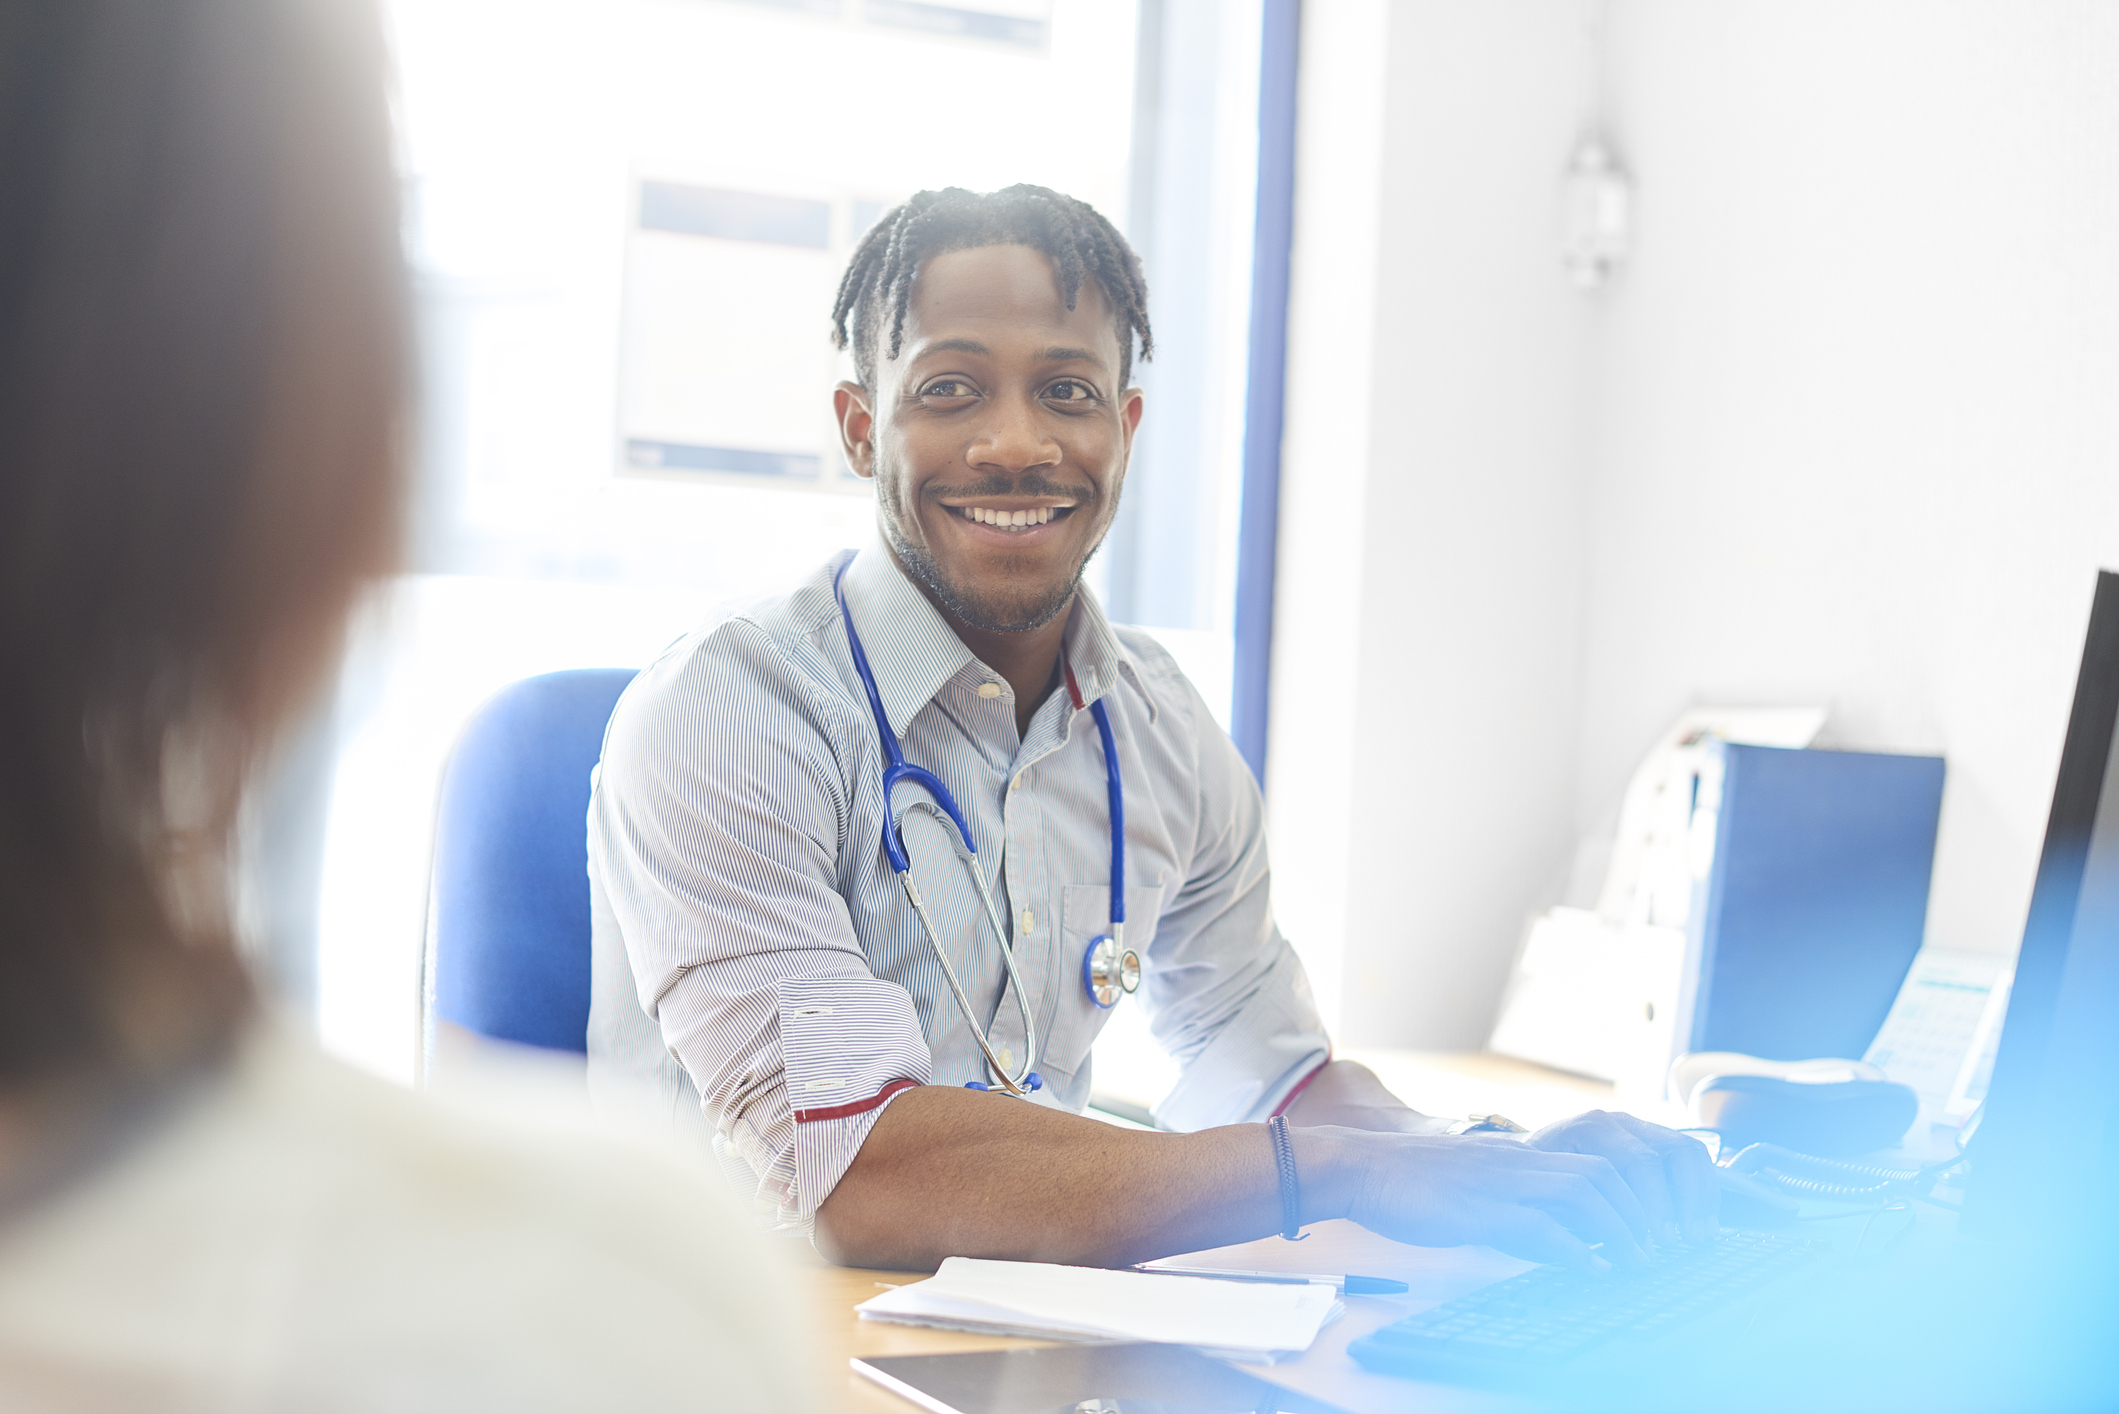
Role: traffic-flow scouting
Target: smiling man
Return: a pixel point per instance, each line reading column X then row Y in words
column 900, row 1063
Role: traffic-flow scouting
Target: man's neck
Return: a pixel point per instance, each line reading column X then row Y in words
column 1027, row 660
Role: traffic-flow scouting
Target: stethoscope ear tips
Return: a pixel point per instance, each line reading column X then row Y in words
column 976, row 1085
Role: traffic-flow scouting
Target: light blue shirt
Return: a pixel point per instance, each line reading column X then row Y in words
column 749, row 927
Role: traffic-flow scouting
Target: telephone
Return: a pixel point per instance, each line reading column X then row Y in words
column 1811, row 1177
column 1830, row 1106
column 1774, row 1122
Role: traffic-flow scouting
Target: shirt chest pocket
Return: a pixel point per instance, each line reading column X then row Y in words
column 1085, row 913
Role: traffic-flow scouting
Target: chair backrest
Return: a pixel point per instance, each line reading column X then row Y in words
column 509, row 923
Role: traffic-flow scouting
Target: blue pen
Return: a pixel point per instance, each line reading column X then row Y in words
column 1348, row 1285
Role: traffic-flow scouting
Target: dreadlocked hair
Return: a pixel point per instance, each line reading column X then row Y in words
column 1079, row 241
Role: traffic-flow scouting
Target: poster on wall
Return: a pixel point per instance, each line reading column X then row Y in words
column 726, row 365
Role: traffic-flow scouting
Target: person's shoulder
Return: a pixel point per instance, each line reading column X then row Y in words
column 1190, row 735
column 296, row 1234
column 775, row 632
column 547, row 1254
column 1147, row 654
column 1179, row 707
column 744, row 663
column 519, row 1143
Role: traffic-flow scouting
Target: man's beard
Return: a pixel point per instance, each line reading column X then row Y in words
column 999, row 613
column 1015, row 614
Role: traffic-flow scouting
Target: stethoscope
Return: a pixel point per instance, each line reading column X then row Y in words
column 1110, row 969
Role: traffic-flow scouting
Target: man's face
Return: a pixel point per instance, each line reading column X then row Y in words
column 998, row 437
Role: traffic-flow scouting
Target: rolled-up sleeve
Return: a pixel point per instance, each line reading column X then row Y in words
column 1227, row 996
column 717, row 817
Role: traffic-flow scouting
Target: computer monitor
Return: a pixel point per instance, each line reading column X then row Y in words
column 2042, row 1159
column 2014, row 1309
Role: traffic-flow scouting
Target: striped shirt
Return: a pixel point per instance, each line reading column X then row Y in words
column 756, row 960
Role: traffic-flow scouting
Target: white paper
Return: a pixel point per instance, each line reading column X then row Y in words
column 1596, row 998
column 1248, row 1319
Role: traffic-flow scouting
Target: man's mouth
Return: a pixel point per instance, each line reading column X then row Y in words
column 1002, row 517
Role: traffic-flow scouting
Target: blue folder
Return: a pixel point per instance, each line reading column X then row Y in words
column 1816, row 901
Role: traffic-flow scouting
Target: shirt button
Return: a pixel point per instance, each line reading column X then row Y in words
column 989, row 689
column 1006, row 1058
column 1017, row 783
column 1029, row 921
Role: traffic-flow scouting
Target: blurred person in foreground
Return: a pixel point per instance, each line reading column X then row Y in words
column 201, row 326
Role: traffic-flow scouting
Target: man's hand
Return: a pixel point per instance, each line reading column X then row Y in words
column 1658, row 1182
column 1668, row 1172
column 1449, row 1191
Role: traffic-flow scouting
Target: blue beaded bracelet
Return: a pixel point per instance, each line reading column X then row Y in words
column 1290, row 1186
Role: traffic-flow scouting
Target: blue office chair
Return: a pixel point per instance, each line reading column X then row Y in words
column 508, row 920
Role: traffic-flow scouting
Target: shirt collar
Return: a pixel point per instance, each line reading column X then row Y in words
column 1096, row 655
column 913, row 651
column 911, row 648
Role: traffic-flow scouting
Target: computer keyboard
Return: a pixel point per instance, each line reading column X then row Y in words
column 1550, row 1315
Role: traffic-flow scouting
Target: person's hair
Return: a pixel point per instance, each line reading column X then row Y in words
column 201, row 382
column 870, row 312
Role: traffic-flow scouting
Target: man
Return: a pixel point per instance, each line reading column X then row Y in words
column 750, row 924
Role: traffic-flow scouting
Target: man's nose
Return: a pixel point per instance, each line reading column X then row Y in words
column 1012, row 439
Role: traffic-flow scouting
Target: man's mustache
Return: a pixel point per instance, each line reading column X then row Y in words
column 1028, row 484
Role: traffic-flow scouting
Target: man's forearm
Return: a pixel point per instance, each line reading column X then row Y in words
column 949, row 1172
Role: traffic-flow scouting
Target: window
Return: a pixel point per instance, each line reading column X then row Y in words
column 626, row 220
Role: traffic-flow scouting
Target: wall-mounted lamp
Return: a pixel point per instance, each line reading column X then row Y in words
column 1596, row 214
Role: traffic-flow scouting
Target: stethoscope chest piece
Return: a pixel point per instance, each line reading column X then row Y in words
column 1110, row 971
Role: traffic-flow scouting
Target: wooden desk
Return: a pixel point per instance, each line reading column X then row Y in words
column 1436, row 1082
column 1324, row 1371
column 833, row 1293
column 1480, row 1082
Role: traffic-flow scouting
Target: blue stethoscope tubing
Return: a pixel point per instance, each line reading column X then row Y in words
column 897, row 771
column 1117, row 937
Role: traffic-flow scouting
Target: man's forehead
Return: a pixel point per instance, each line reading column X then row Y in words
column 991, row 298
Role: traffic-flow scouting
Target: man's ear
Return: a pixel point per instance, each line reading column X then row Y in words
column 1129, row 410
column 851, row 405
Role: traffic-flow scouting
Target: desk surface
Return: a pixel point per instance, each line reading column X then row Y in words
column 1438, row 1083
column 1324, row 1371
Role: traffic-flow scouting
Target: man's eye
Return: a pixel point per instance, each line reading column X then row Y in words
column 1070, row 390
column 947, row 388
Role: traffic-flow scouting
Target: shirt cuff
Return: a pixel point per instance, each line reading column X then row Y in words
column 1287, row 1101
column 849, row 1046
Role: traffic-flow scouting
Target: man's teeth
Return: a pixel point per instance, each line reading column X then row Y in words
column 985, row 515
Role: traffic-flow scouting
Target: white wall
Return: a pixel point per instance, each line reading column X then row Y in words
column 1856, row 438
column 1844, row 430
column 1425, row 699
column 1310, row 749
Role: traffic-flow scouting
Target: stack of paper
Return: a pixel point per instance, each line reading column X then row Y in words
column 1244, row 1320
